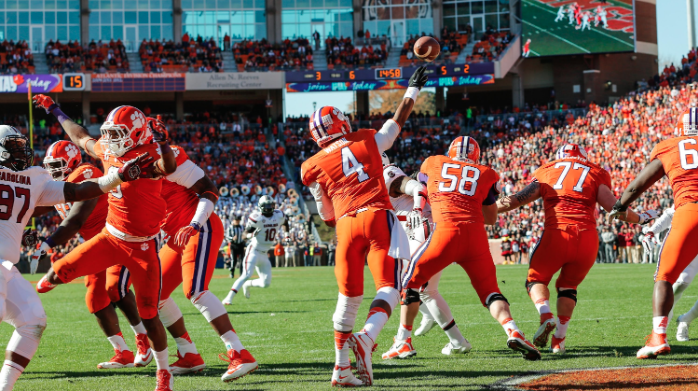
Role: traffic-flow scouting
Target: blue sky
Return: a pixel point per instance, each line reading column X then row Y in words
column 672, row 36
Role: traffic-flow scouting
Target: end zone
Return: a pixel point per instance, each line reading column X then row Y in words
column 637, row 378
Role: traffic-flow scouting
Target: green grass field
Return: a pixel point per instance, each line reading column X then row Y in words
column 289, row 330
column 550, row 38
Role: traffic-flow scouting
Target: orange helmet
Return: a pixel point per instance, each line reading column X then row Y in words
column 62, row 157
column 328, row 124
column 464, row 149
column 687, row 123
column 570, row 150
column 125, row 128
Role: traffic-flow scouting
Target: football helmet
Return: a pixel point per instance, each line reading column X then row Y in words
column 385, row 159
column 464, row 149
column 687, row 123
column 328, row 124
column 15, row 152
column 62, row 157
column 266, row 205
column 570, row 150
column 125, row 128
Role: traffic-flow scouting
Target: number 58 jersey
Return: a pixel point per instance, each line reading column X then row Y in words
column 266, row 229
column 679, row 156
column 569, row 188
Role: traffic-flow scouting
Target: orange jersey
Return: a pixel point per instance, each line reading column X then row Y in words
column 679, row 156
column 95, row 222
column 181, row 201
column 135, row 208
column 457, row 190
column 569, row 188
column 350, row 172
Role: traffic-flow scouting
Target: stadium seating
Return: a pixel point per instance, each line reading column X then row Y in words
column 254, row 56
column 342, row 54
column 95, row 57
column 16, row 58
column 490, row 46
column 192, row 55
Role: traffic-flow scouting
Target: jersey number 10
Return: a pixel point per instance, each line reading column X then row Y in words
column 269, row 235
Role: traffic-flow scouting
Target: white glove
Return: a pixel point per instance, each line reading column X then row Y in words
column 34, row 260
column 648, row 242
column 416, row 226
column 646, row 230
column 647, row 216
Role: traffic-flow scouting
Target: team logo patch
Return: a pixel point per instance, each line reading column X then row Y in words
column 144, row 246
column 71, row 150
column 87, row 173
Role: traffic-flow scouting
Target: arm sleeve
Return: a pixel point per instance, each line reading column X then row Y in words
column 419, row 192
column 324, row 203
column 186, row 174
column 387, row 135
column 52, row 194
column 492, row 194
column 663, row 222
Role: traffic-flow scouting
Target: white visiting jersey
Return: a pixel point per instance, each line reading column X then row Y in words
column 404, row 203
column 266, row 229
column 20, row 193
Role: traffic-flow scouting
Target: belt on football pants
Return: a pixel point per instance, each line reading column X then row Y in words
column 354, row 213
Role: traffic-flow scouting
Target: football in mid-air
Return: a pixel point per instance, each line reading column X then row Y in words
column 427, row 49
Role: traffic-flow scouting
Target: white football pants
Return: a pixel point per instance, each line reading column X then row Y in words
column 254, row 259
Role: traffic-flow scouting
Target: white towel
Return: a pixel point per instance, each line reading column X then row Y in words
column 399, row 242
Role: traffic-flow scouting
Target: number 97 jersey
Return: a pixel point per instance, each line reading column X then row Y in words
column 266, row 229
column 679, row 156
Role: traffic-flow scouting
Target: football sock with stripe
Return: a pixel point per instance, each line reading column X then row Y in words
column 117, row 341
column 9, row 374
column 454, row 334
column 185, row 345
column 403, row 332
column 659, row 324
column 562, row 323
column 341, row 350
column 139, row 329
column 231, row 341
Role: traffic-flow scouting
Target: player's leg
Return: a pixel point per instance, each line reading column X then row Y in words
column 24, row 312
column 263, row 269
column 427, row 322
column 442, row 313
column 248, row 264
column 584, row 246
column 685, row 279
column 478, row 264
column 349, row 272
column 684, row 321
column 678, row 251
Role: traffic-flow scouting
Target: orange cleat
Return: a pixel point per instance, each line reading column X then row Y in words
column 144, row 354
column 655, row 345
column 165, row 382
column 189, row 363
column 241, row 364
column 121, row 359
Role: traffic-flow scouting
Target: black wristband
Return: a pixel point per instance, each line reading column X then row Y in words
column 620, row 207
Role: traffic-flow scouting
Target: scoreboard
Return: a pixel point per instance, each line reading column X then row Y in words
column 432, row 71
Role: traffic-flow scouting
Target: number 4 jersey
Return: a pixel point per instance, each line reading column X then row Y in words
column 569, row 188
column 266, row 229
column 679, row 156
column 457, row 190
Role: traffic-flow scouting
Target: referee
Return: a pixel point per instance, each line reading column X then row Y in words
column 234, row 235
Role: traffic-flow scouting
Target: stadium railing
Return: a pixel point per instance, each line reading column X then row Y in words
column 576, row 112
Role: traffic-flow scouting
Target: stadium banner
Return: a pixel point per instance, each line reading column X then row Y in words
column 41, row 84
column 387, row 73
column 235, row 81
column 138, row 82
column 329, row 86
column 582, row 27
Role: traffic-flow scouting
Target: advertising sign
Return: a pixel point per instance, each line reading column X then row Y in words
column 138, row 82
column 235, row 81
column 453, row 81
column 41, row 84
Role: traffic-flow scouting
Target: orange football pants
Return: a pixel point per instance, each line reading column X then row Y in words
column 104, row 251
column 105, row 287
column 570, row 251
column 365, row 237
column 680, row 246
column 194, row 264
column 464, row 243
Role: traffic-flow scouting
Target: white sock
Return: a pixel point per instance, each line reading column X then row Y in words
column 185, row 345
column 562, row 323
column 161, row 359
column 231, row 294
column 139, row 329
column 426, row 314
column 257, row 282
column 543, row 306
column 454, row 334
column 231, row 341
column 403, row 332
column 377, row 318
column 341, row 349
column 9, row 374
column 509, row 326
column 117, row 341
column 659, row 324
column 689, row 316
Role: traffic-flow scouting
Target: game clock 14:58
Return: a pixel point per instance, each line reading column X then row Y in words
column 388, row 73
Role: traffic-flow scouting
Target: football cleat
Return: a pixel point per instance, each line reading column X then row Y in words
column 229, row 298
column 240, row 364
column 343, row 377
column 655, row 345
column 425, row 326
column 165, row 382
column 121, row 359
column 400, row 349
column 452, row 349
column 363, row 346
column 681, row 329
column 540, row 338
column 246, row 289
column 557, row 345
column 44, row 286
column 519, row 343
column 189, row 363
column 144, row 354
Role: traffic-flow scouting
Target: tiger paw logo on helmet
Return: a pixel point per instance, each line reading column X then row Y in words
column 138, row 119
column 71, row 150
column 328, row 124
column 87, row 173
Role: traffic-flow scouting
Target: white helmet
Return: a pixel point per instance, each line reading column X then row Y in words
column 15, row 152
column 385, row 159
column 266, row 205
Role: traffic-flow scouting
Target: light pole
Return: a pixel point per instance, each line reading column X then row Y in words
column 690, row 11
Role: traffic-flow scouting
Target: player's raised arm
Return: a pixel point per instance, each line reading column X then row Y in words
column 644, row 180
column 77, row 133
column 208, row 197
column 387, row 135
column 167, row 164
column 529, row 194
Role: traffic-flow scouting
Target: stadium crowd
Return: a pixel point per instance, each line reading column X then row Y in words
column 99, row 57
column 263, row 56
column 16, row 58
column 451, row 45
column 191, row 55
column 341, row 53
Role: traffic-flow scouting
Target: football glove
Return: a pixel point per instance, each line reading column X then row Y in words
column 30, row 238
column 159, row 130
column 185, row 233
column 418, row 78
column 44, row 102
column 132, row 169
column 647, row 216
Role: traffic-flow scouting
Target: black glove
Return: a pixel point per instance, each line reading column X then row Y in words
column 132, row 169
column 419, row 79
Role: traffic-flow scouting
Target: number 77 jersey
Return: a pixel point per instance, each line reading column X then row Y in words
column 679, row 156
column 569, row 188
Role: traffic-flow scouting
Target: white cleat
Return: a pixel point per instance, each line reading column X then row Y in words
column 246, row 290
column 557, row 345
column 144, row 355
column 343, row 377
column 240, row 364
column 425, row 326
column 681, row 329
column 363, row 346
column 540, row 338
column 451, row 349
column 121, row 359
column 229, row 299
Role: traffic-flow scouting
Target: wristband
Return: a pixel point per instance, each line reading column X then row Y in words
column 412, row 93
column 60, row 115
column 109, row 182
column 49, row 242
column 620, row 207
column 203, row 212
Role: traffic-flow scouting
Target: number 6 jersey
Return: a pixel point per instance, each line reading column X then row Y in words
column 679, row 156
column 266, row 229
